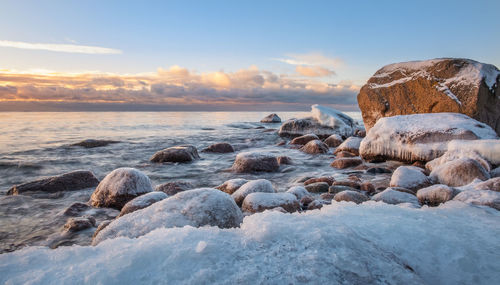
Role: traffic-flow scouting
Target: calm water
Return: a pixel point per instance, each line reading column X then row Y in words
column 35, row 145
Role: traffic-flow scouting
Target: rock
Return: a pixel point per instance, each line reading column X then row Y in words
column 76, row 209
column 302, row 140
column 315, row 147
column 142, row 202
column 70, row 181
column 489, row 149
column 435, row 194
column 282, row 160
column 91, row 143
column 342, row 154
column 219, row 148
column 340, row 122
column 350, row 196
column 480, row 197
column 409, row 177
column 182, row 153
column 271, row 118
column 101, row 226
column 419, row 137
column 327, row 196
column 346, row 162
column 360, row 133
column 350, row 183
column 495, row 172
column 378, row 170
column 314, row 205
column 367, row 187
column 306, row 200
column 255, row 162
column 492, row 184
column 391, row 196
column 231, row 185
column 80, row 223
column 299, row 127
column 318, row 187
column 333, row 140
column 351, row 145
column 334, row 189
column 459, row 172
column 456, row 154
column 404, row 190
column 174, row 187
column 253, row 186
column 196, row 208
column 259, row 202
column 327, row 179
column 433, row 86
column 120, row 186
column 299, row 192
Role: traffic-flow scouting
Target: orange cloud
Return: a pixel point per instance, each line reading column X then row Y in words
column 313, row 71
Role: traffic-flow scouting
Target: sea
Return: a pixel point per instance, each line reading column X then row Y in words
column 36, row 145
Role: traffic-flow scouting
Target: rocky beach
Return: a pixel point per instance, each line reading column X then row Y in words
column 405, row 192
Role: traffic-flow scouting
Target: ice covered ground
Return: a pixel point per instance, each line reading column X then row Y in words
column 344, row 243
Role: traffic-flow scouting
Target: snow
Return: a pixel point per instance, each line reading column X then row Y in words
column 480, row 197
column 457, row 153
column 342, row 243
column 351, row 144
column 391, row 196
column 489, row 149
column 198, row 207
column 259, row 201
column 125, row 181
column 298, row 191
column 259, row 185
column 422, row 136
column 409, row 177
column 332, row 118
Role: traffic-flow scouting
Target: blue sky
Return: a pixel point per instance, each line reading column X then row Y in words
column 358, row 37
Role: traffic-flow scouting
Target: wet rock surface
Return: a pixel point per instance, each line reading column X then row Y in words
column 70, row 181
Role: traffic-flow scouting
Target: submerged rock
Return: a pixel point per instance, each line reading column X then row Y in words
column 436, row 194
column 174, row 187
column 70, row 181
column 76, row 209
column 333, row 140
column 459, row 172
column 196, row 208
column 419, row 137
column 302, row 140
column 259, row 202
column 409, row 177
column 480, row 197
column 346, row 162
column 255, row 162
column 271, row 118
column 433, row 86
column 219, row 148
column 260, row 185
column 142, row 202
column 182, row 153
column 120, row 186
column 351, row 145
column 315, row 147
column 350, row 196
column 91, row 143
column 230, row 186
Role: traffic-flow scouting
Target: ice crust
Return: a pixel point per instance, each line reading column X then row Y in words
column 343, row 243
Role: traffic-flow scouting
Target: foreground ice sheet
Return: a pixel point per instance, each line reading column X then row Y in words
column 371, row 243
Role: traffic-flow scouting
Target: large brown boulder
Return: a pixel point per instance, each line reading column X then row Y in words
column 255, row 162
column 433, row 86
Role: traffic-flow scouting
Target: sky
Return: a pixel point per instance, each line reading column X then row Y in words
column 223, row 55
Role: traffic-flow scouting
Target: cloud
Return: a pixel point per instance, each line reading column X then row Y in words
column 248, row 89
column 311, row 59
column 313, row 71
column 69, row 48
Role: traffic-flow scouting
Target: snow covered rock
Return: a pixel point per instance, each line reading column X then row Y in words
column 346, row 162
column 435, row 194
column 70, row 181
column 315, row 147
column 120, row 186
column 255, row 162
column 259, row 202
column 351, row 145
column 302, row 140
column 391, row 196
column 271, row 118
column 182, row 153
column 480, row 197
column 420, row 137
column 230, row 186
column 333, row 140
column 459, row 172
column 299, row 127
column 350, row 196
column 433, row 86
column 142, row 202
column 260, row 185
column 219, row 148
column 489, row 149
column 317, row 187
column 196, row 208
column 298, row 191
column 174, row 187
column 340, row 122
column 409, row 177
column 451, row 155
column 492, row 184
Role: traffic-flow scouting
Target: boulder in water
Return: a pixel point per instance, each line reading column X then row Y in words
column 302, row 140
column 271, row 118
column 351, row 145
column 174, row 187
column 259, row 202
column 91, row 143
column 183, row 153
column 346, row 162
column 230, row 186
column 350, row 196
column 219, row 148
column 70, row 181
column 315, row 147
column 255, row 162
column 253, row 186
column 334, row 140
